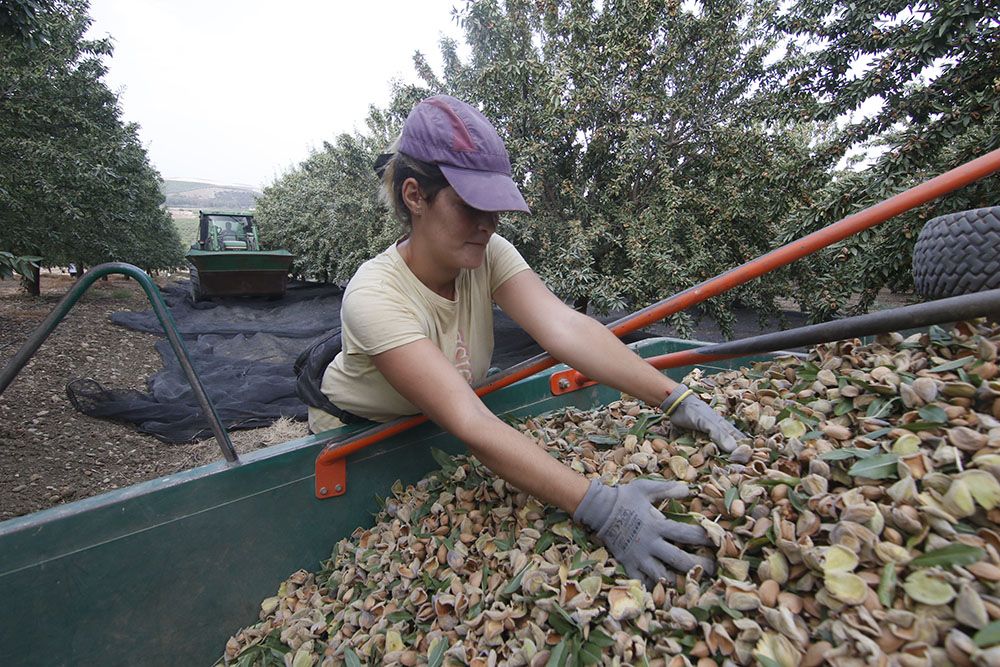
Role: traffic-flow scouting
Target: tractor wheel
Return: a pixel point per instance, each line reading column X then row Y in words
column 958, row 253
column 196, row 293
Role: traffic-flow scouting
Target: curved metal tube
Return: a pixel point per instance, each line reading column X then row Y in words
column 43, row 330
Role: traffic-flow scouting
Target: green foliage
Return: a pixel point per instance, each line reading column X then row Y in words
column 658, row 145
column 187, row 230
column 82, row 189
column 19, row 19
column 648, row 160
column 929, row 68
column 634, row 135
column 22, row 266
column 326, row 212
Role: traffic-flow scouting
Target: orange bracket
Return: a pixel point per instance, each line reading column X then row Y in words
column 567, row 381
column 331, row 478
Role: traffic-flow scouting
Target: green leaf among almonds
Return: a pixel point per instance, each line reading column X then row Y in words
column 882, row 466
column 953, row 555
column 988, row 636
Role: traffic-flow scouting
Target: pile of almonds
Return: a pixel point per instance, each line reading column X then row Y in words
column 858, row 525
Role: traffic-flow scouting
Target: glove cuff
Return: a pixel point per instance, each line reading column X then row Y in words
column 595, row 508
column 674, row 399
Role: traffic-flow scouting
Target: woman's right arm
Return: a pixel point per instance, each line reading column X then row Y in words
column 623, row 516
column 422, row 374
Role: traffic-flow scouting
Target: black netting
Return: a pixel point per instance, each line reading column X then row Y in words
column 243, row 350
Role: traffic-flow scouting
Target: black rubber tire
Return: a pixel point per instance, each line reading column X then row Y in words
column 958, row 253
column 196, row 293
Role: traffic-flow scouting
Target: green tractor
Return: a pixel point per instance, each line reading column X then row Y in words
column 227, row 259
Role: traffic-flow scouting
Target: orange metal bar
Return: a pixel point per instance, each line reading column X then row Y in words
column 915, row 196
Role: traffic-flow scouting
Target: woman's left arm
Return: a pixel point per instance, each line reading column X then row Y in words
column 578, row 340
column 588, row 346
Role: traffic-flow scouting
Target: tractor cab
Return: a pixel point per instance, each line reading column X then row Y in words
column 219, row 231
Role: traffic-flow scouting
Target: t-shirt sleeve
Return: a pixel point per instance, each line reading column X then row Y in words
column 376, row 320
column 504, row 261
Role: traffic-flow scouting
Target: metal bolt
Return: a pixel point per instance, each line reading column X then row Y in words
column 322, row 490
column 338, row 488
column 563, row 383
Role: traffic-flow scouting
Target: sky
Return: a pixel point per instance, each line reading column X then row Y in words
column 239, row 92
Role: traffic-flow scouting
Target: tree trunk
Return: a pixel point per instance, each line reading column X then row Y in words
column 581, row 303
column 35, row 288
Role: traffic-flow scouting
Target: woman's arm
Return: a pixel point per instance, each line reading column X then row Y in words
column 624, row 516
column 578, row 340
column 422, row 374
column 589, row 347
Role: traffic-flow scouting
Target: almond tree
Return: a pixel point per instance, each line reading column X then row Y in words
column 75, row 182
column 913, row 85
column 636, row 131
column 326, row 211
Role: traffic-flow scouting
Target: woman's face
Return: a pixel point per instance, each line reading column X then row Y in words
column 458, row 232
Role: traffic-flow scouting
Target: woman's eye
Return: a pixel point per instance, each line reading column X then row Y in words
column 476, row 213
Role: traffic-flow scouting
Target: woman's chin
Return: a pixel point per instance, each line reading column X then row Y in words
column 473, row 256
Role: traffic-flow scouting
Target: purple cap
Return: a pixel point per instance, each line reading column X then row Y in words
column 471, row 155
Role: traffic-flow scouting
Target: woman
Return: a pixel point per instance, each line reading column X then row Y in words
column 417, row 330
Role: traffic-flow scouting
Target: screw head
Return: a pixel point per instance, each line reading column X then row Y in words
column 563, row 383
column 338, row 488
column 322, row 491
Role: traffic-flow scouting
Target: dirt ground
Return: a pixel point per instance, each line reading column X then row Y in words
column 51, row 454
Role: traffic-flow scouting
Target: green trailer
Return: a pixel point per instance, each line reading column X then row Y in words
column 227, row 259
column 165, row 571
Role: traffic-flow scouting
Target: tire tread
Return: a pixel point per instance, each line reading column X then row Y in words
column 958, row 253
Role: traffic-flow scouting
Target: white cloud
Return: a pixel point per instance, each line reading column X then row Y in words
column 237, row 92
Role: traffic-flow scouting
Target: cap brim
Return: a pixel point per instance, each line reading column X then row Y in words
column 485, row 190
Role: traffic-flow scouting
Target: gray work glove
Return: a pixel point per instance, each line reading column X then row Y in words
column 636, row 533
column 686, row 410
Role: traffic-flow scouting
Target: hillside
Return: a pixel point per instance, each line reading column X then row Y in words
column 195, row 194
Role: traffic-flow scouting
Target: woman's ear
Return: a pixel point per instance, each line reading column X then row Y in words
column 413, row 196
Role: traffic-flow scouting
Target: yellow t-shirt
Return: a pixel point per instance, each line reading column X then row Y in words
column 386, row 306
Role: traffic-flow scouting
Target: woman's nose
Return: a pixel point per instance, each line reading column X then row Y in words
column 487, row 220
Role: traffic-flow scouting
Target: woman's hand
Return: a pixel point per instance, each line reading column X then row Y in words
column 688, row 411
column 638, row 535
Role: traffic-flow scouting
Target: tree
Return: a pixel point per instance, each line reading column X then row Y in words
column 929, row 69
column 326, row 211
column 637, row 135
column 75, row 183
column 638, row 132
